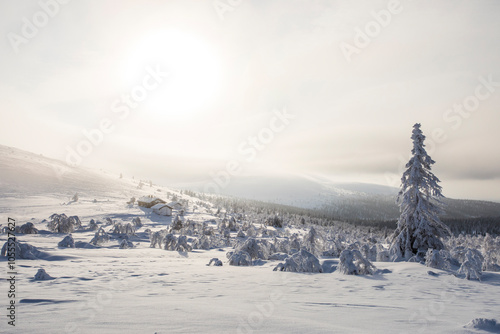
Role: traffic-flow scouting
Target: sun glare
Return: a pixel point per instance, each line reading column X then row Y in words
column 194, row 72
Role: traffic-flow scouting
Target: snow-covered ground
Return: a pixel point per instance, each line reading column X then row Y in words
column 152, row 290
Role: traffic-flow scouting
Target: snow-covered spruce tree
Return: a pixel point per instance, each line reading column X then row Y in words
column 419, row 227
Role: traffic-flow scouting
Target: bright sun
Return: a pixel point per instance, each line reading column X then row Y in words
column 193, row 67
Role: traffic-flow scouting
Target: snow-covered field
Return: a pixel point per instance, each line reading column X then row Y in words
column 152, row 290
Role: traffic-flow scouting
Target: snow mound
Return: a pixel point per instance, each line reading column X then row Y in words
column 22, row 250
column 490, row 325
column 41, row 275
column 83, row 244
column 301, row 262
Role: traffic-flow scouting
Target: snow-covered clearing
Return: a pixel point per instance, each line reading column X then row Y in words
column 152, row 290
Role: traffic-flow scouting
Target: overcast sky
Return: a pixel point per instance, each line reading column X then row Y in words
column 328, row 88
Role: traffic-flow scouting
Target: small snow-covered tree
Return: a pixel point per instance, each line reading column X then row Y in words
column 313, row 242
column 63, row 224
column 301, row 262
column 126, row 244
column 438, row 259
column 42, row 275
column 239, row 258
column 27, row 228
column 67, row 242
column 419, row 227
column 353, row 263
column 100, row 237
column 471, row 268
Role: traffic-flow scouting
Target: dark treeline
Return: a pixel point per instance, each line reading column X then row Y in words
column 473, row 226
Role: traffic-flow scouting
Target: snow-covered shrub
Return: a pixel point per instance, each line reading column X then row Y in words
column 137, row 223
column 124, row 229
column 22, row 250
column 176, row 224
column 226, row 233
column 353, row 263
column 241, row 234
column 100, row 237
column 313, row 242
column 182, row 244
column 126, row 244
column 27, row 228
column 157, row 238
column 41, row 275
column 216, row 262
column 369, row 252
column 471, row 268
column 239, row 258
column 252, row 232
column 438, row 259
column 278, row 256
column 274, row 221
column 170, row 242
column 491, row 251
column 294, row 243
column 488, row 325
column 489, row 264
column 207, row 230
column 190, row 228
column 67, row 242
column 92, row 226
column 230, row 224
column 61, row 223
column 300, row 262
column 204, row 242
column 257, row 249
column 383, row 256
column 333, row 249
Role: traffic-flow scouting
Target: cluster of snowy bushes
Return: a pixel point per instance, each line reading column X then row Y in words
column 469, row 256
column 60, row 223
column 301, row 251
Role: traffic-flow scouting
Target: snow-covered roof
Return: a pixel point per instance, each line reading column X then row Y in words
column 148, row 199
column 160, row 205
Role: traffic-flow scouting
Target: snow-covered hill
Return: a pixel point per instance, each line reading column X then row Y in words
column 111, row 289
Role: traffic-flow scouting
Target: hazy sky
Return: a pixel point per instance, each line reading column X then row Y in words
column 181, row 88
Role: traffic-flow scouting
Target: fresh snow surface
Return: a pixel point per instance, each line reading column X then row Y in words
column 151, row 290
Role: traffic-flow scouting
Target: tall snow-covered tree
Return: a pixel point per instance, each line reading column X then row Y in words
column 419, row 227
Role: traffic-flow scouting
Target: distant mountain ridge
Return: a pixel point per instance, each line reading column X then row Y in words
column 27, row 174
column 344, row 201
